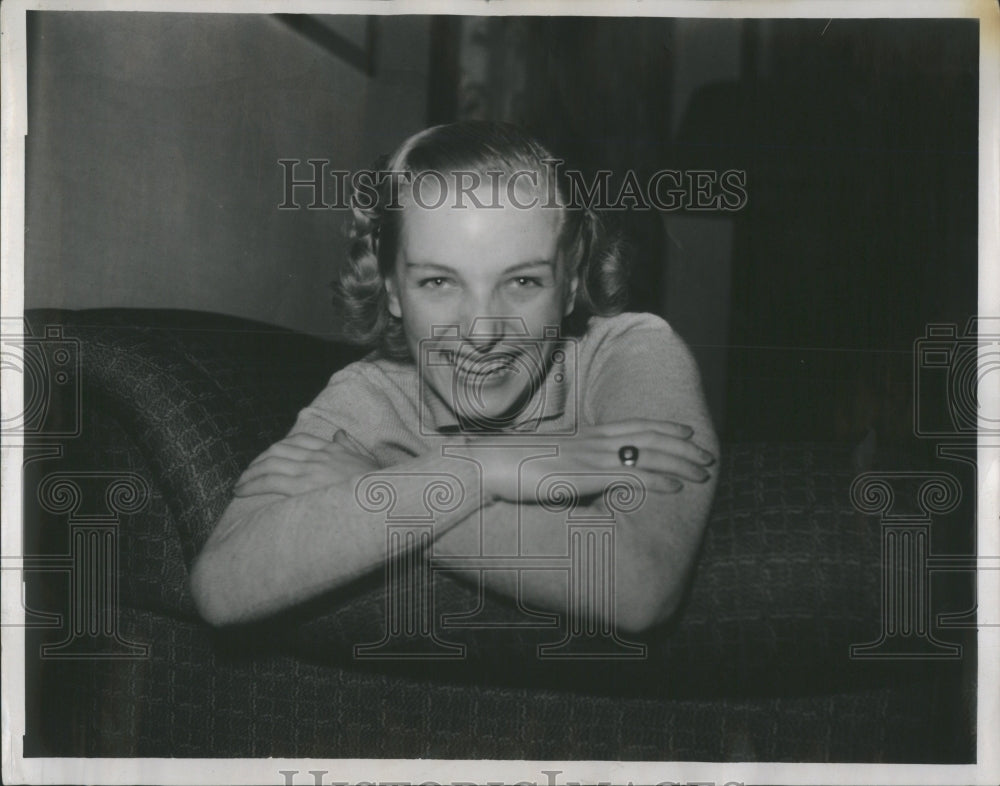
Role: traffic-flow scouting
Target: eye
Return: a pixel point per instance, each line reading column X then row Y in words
column 526, row 282
column 435, row 282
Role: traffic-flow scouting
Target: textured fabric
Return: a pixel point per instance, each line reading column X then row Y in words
column 754, row 666
column 195, row 699
column 151, row 571
column 201, row 394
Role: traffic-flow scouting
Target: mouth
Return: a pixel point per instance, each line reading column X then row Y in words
column 488, row 368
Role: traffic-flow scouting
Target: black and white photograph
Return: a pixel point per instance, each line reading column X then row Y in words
column 500, row 392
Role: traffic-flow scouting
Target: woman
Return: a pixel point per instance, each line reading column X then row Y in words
column 501, row 359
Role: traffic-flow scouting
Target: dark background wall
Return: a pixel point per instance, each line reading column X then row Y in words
column 859, row 140
column 153, row 178
column 152, row 157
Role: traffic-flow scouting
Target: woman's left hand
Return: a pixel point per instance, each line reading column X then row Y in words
column 302, row 463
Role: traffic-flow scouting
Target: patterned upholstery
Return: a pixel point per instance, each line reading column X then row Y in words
column 754, row 667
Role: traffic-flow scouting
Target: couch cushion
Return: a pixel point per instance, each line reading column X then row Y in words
column 192, row 699
column 201, row 394
column 788, row 577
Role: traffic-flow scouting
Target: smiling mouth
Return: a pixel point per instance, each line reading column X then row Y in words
column 486, row 370
column 488, row 367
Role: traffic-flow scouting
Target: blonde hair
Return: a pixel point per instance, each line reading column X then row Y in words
column 483, row 148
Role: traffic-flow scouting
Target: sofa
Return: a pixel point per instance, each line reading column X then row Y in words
column 131, row 452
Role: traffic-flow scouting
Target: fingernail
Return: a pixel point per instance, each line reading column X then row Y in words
column 707, row 458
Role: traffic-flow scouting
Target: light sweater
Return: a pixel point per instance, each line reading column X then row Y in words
column 277, row 550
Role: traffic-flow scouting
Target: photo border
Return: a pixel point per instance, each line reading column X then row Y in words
column 17, row 769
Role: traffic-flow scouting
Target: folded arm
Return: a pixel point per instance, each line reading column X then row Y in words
column 273, row 549
column 298, row 526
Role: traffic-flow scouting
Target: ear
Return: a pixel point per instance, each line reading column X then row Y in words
column 392, row 290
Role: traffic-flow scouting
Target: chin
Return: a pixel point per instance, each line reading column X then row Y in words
column 495, row 406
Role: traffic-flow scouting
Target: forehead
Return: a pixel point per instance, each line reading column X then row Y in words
column 479, row 228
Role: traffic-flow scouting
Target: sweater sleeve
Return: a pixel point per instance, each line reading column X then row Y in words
column 343, row 404
column 645, row 370
column 270, row 551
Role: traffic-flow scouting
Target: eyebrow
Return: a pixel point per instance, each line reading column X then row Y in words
column 513, row 268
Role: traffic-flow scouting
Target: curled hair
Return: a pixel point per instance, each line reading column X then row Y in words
column 599, row 258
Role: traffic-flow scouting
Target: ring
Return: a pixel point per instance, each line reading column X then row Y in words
column 628, row 455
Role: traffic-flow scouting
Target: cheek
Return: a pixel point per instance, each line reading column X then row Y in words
column 418, row 319
column 545, row 309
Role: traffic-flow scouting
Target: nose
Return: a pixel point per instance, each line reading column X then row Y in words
column 484, row 332
column 483, row 320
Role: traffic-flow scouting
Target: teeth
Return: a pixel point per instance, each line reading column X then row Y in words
column 485, row 369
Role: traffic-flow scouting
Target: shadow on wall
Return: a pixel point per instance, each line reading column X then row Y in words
column 152, row 157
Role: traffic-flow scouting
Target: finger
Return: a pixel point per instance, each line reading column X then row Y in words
column 283, row 450
column 655, row 482
column 303, row 440
column 682, row 448
column 669, row 455
column 345, row 439
column 273, row 465
column 651, row 460
column 641, row 426
column 603, row 452
column 653, row 439
column 670, row 464
column 269, row 484
column 664, row 484
column 652, row 431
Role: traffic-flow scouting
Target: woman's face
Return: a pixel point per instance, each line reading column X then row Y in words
column 476, row 288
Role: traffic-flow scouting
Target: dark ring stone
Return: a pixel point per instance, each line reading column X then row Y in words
column 628, row 455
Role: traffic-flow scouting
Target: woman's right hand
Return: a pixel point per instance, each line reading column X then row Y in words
column 302, row 462
column 668, row 458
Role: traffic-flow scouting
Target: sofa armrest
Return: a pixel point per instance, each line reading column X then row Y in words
column 198, row 394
